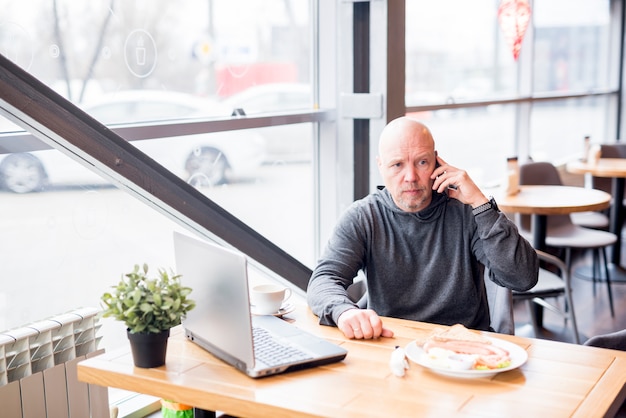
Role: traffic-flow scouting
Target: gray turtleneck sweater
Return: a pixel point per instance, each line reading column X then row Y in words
column 424, row 266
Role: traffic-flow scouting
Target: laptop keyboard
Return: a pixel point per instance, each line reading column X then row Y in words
column 272, row 352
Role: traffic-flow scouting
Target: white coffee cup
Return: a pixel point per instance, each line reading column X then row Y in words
column 268, row 298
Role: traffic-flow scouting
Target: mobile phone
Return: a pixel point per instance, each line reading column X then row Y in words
column 451, row 186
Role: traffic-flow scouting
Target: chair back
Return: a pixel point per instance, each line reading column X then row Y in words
column 500, row 301
column 614, row 340
column 550, row 284
column 543, row 174
column 608, row 151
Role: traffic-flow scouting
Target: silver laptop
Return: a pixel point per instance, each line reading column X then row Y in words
column 222, row 322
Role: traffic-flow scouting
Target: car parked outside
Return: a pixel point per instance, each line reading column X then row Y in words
column 285, row 143
column 202, row 159
column 26, row 172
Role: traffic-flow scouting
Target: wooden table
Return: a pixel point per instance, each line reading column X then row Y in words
column 558, row 380
column 614, row 168
column 541, row 201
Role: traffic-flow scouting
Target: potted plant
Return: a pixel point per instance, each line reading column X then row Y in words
column 149, row 307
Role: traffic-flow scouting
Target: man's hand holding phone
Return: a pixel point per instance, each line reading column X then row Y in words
column 457, row 183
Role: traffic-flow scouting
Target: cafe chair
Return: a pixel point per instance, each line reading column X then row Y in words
column 357, row 292
column 500, row 303
column 608, row 151
column 594, row 220
column 551, row 286
column 614, row 340
column 600, row 219
column 562, row 232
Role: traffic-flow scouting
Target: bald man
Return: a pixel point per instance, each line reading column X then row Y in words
column 421, row 242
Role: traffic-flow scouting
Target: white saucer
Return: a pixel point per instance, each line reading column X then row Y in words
column 284, row 310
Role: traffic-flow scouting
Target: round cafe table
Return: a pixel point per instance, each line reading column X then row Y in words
column 614, row 168
column 541, row 201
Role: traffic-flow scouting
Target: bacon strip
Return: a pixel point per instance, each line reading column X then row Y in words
column 488, row 355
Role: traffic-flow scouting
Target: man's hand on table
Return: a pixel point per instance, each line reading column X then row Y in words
column 362, row 324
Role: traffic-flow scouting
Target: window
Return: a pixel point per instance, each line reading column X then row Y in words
column 463, row 81
column 148, row 68
column 191, row 64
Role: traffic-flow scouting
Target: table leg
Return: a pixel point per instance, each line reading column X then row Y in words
column 617, row 218
column 616, row 271
column 539, row 226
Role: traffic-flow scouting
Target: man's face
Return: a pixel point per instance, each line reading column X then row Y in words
column 406, row 163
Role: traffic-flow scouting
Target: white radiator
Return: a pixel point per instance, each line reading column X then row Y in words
column 38, row 368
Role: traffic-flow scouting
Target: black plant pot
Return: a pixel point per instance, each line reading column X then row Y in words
column 148, row 349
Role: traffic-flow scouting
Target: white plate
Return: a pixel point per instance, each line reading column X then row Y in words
column 518, row 357
column 284, row 310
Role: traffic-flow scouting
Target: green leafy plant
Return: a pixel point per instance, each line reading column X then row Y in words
column 149, row 305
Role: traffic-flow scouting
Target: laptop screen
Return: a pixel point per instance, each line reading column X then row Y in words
column 219, row 282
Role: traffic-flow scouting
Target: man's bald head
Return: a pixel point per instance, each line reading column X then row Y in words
column 400, row 129
column 406, row 159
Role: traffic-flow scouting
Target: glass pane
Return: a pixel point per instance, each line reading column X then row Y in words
column 277, row 201
column 62, row 249
column 143, row 61
column 477, row 140
column 212, row 48
column 455, row 52
column 445, row 65
column 572, row 45
column 572, row 50
column 559, row 127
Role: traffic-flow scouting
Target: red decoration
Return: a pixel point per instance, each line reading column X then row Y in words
column 514, row 17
